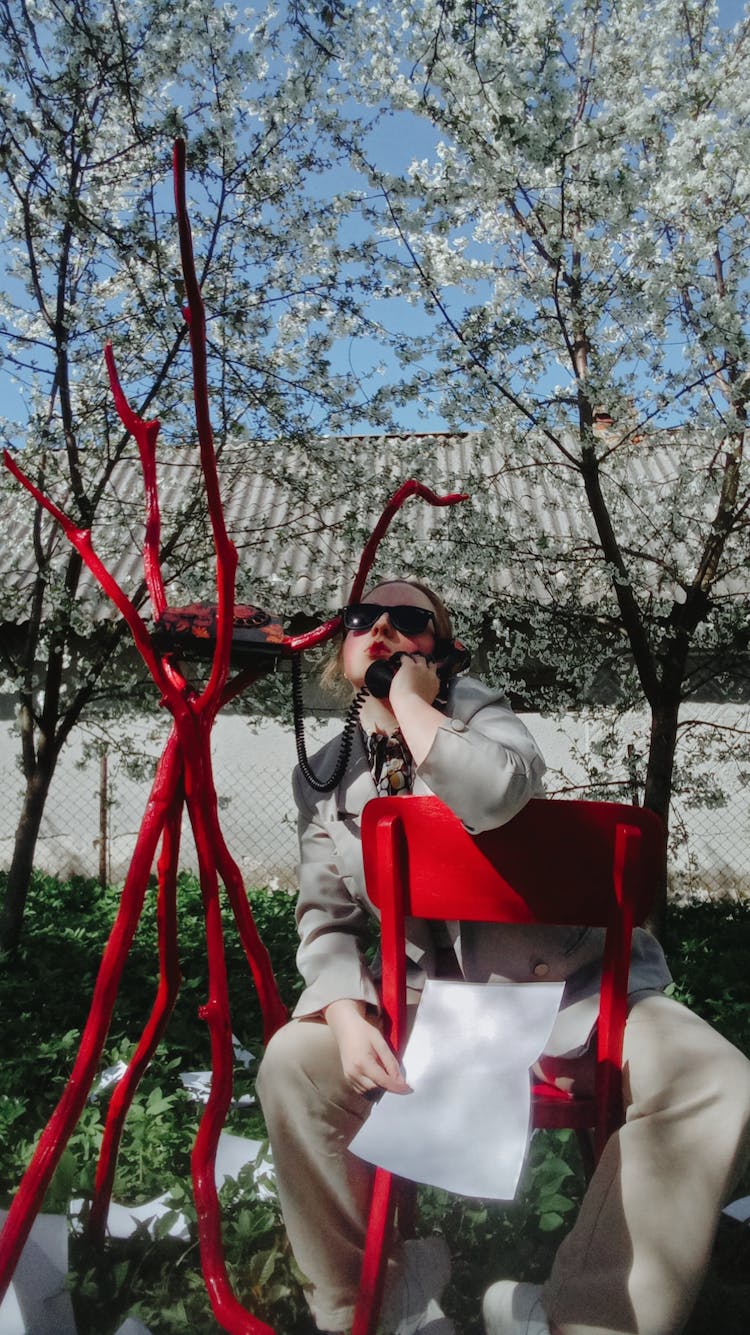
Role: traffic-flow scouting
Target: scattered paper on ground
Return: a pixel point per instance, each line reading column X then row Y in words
column 198, row 1086
column 197, row 1083
column 37, row 1302
column 232, row 1154
column 739, row 1209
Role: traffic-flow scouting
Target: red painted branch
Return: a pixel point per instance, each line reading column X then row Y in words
column 201, row 797
column 398, row 498
column 169, row 984
column 274, row 1011
column 196, row 319
column 56, row 1134
column 226, row 569
column 145, row 434
column 216, row 1014
column 227, row 1309
column 81, row 539
column 310, row 639
column 187, row 754
column 298, row 643
column 226, row 555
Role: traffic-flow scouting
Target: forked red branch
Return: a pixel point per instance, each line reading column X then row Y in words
column 184, row 779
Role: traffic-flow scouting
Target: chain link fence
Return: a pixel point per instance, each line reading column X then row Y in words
column 97, row 802
column 101, row 786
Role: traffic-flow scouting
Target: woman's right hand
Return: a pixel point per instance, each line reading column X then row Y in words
column 367, row 1060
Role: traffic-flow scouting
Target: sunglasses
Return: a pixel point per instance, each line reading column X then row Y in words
column 405, row 619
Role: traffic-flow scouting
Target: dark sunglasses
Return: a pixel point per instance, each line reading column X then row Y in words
column 405, row 619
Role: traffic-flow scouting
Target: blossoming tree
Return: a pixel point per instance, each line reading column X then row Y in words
column 574, row 226
column 91, row 98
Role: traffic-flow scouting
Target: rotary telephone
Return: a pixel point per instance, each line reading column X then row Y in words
column 191, row 632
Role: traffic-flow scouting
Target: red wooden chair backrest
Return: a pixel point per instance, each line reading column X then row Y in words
column 551, row 863
column 577, row 863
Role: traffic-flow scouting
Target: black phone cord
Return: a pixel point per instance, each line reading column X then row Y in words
column 347, row 736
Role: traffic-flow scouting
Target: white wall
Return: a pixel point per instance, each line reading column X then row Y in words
column 253, row 765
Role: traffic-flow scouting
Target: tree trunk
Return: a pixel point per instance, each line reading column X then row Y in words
column 19, row 875
column 658, row 792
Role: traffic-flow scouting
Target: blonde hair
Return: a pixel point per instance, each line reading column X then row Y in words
column 332, row 674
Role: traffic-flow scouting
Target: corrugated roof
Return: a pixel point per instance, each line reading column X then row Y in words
column 299, row 514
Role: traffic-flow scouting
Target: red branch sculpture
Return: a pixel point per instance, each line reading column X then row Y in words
column 184, row 778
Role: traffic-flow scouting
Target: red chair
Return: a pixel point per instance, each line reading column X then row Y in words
column 568, row 863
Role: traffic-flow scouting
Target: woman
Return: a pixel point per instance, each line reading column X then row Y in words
column 621, row 1269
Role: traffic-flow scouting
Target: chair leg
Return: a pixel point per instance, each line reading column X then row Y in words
column 377, row 1246
column 586, row 1146
column 407, row 1208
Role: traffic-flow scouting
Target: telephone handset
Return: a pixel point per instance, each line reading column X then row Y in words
column 452, row 657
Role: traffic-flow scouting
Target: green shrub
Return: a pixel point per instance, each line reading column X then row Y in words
column 44, row 998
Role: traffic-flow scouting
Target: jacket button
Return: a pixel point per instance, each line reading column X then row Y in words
column 458, row 725
column 541, row 970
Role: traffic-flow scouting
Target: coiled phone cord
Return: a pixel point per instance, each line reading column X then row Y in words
column 347, row 736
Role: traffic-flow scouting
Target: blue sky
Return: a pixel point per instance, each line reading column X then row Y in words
column 397, row 141
column 395, row 144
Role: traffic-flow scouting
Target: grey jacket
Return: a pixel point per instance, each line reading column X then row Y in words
column 485, row 765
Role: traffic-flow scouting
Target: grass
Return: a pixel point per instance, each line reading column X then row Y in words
column 44, row 998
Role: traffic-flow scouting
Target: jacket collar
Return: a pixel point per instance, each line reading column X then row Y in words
column 357, row 786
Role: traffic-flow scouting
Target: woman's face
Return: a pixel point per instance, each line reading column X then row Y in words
column 362, row 647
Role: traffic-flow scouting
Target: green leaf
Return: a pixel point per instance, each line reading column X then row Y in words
column 561, row 1204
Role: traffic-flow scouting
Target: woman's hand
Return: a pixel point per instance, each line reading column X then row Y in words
column 413, row 691
column 417, row 677
column 366, row 1058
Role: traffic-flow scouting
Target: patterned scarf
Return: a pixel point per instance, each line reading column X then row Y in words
column 391, row 763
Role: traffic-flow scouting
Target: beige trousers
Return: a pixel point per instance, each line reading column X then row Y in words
column 637, row 1254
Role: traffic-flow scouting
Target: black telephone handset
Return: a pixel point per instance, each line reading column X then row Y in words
column 380, row 674
column 451, row 657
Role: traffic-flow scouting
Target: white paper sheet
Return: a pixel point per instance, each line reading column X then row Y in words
column 465, row 1125
column 37, row 1299
column 233, row 1153
column 123, row 1220
column 739, row 1210
column 197, row 1083
column 198, row 1086
column 112, row 1075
